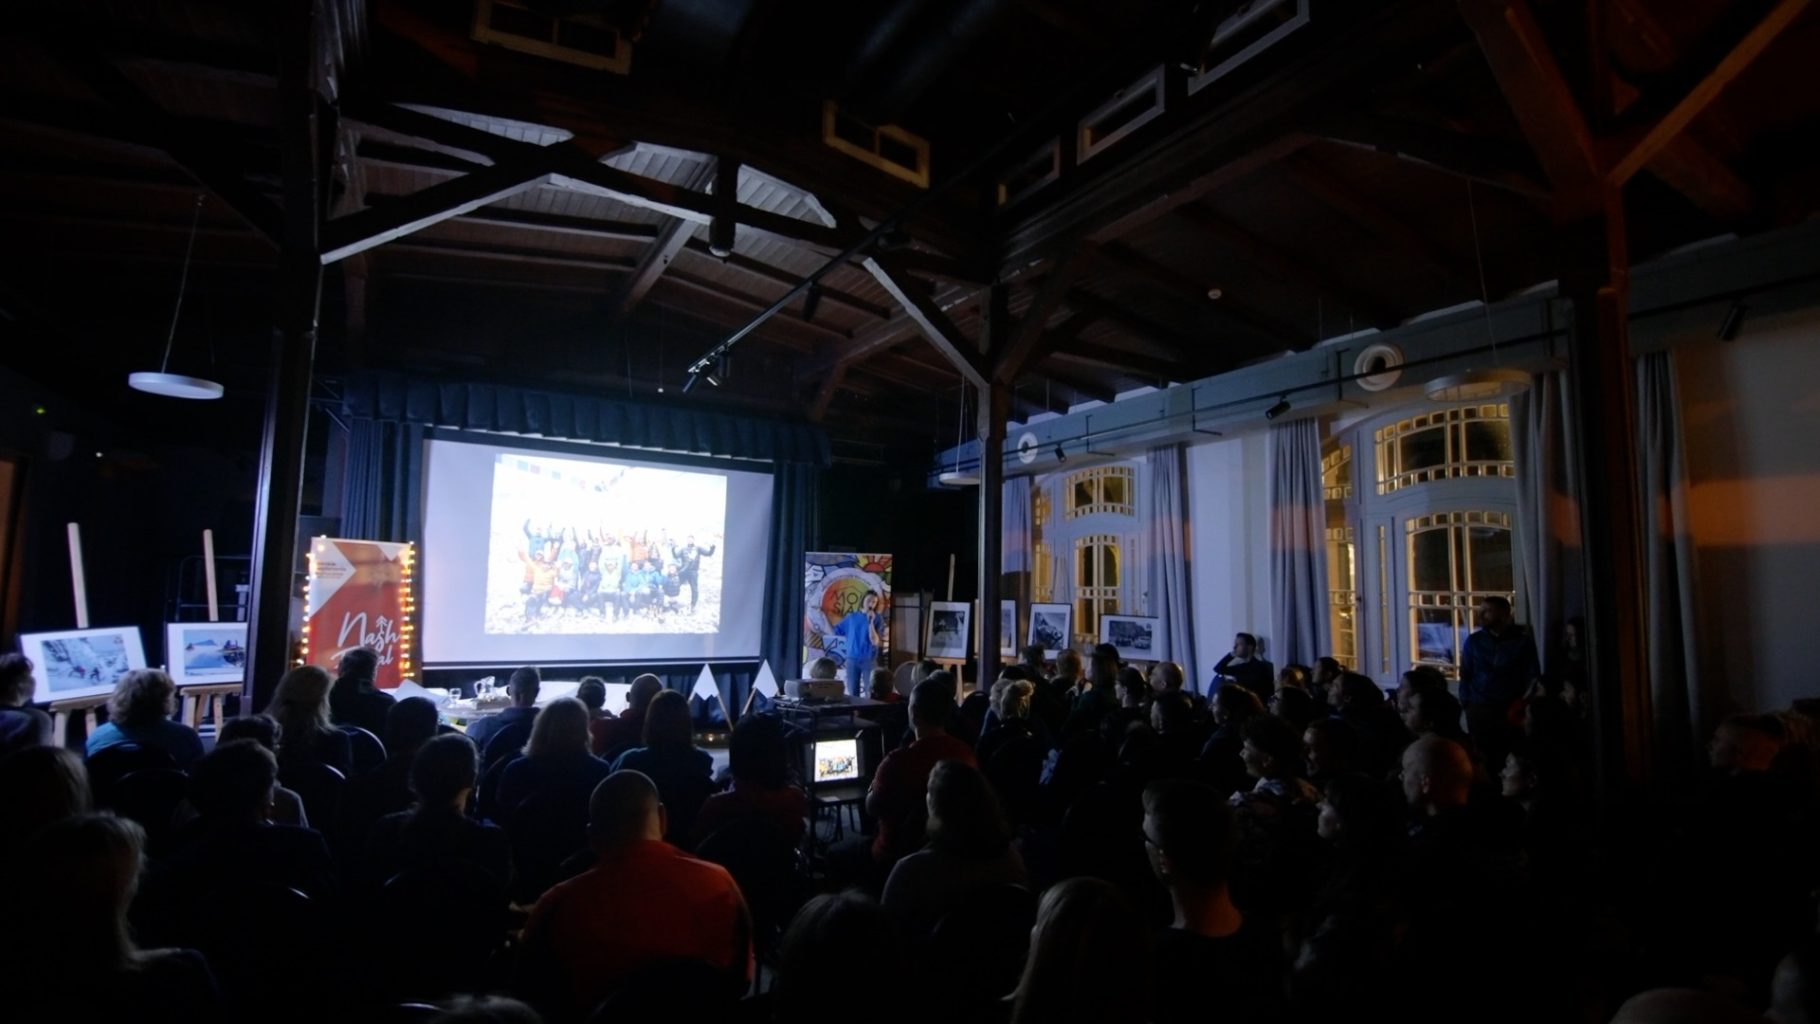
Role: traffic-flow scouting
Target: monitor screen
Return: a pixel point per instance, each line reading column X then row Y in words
column 836, row 760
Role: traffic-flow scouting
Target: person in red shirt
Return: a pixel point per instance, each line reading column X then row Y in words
column 643, row 904
column 760, row 761
column 899, row 795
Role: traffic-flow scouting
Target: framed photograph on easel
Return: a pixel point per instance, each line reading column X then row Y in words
column 1051, row 626
column 950, row 630
column 205, row 652
column 1137, row 637
column 1007, row 628
column 78, row 663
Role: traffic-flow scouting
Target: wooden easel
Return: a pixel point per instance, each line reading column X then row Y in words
column 207, row 701
column 65, row 711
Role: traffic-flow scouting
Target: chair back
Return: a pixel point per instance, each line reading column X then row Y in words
column 367, row 750
column 505, row 743
column 269, row 947
column 111, row 764
column 683, row 798
column 318, row 785
column 544, row 834
column 976, row 952
column 769, row 869
column 150, row 798
column 438, row 926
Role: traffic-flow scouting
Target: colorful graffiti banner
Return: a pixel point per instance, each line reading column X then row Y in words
column 836, row 586
column 359, row 595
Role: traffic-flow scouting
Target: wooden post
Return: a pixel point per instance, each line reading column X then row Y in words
column 78, row 582
column 281, row 453
column 994, row 412
column 208, row 572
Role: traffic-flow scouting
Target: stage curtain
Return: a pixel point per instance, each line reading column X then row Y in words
column 554, row 414
column 1014, row 520
column 1683, row 709
column 380, row 497
column 793, row 530
column 1298, row 545
column 1551, row 585
column 1170, row 576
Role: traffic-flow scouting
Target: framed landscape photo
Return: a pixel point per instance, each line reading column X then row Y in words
column 1137, row 637
column 1050, row 627
column 205, row 652
column 82, row 662
column 950, row 627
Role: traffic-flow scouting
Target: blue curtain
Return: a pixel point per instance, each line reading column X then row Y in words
column 793, row 531
column 1014, row 523
column 1170, row 585
column 1298, row 545
column 379, row 495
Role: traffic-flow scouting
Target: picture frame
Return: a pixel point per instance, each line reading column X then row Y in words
column 1007, row 628
column 1051, row 627
column 197, row 653
column 72, row 664
column 950, row 630
column 1137, row 637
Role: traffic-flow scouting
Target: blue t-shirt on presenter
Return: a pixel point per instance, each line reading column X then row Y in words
column 859, row 630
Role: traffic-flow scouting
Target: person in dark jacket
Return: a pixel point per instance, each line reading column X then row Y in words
column 354, row 700
column 1244, row 667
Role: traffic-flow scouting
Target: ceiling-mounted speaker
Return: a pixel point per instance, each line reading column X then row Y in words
column 1378, row 367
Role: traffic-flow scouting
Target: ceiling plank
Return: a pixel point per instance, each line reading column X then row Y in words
column 1028, row 337
column 1239, row 312
column 1129, row 363
column 504, row 254
column 1251, row 247
column 929, row 317
column 1485, row 161
column 1318, row 182
column 376, row 225
column 776, row 275
column 670, row 240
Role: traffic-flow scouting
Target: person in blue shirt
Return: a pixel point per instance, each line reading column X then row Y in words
column 140, row 712
column 1497, row 665
column 860, row 630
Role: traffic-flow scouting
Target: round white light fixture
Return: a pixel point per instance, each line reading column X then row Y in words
column 1477, row 385
column 173, row 385
column 1380, row 366
column 956, row 478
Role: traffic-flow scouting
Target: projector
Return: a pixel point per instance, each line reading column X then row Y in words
column 827, row 690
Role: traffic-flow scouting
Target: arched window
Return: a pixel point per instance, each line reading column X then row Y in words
column 1464, row 441
column 1096, row 583
column 1455, row 559
column 1103, row 490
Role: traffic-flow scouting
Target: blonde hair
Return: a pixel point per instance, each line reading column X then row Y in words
column 301, row 704
column 561, row 727
column 141, row 697
column 1011, row 697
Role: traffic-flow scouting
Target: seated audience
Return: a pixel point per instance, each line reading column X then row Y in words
column 1172, row 718
column 66, row 943
column 1434, row 711
column 827, row 930
column 824, row 668
column 354, row 700
column 898, row 796
column 1167, row 677
column 683, row 774
column 1293, row 677
column 1221, row 761
column 759, row 759
column 139, row 712
column 1416, row 680
column 1212, row 955
column 287, row 806
column 1012, row 750
column 1243, row 666
column 969, row 849
column 1330, row 749
column 437, row 830
column 1326, row 672
column 1100, row 697
column 555, row 766
column 1035, row 661
column 643, row 903
column 409, row 724
column 515, row 721
column 1089, row 959
column 614, row 738
column 1348, row 929
column 592, row 691
column 305, row 734
column 1295, row 706
column 21, row 725
column 883, row 686
column 1381, row 733
column 38, row 786
column 1276, row 816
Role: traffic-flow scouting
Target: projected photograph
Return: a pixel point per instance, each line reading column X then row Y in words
column 579, row 546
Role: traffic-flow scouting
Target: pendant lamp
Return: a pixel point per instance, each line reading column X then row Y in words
column 161, row 381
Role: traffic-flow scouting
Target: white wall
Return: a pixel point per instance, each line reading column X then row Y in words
column 1228, row 544
column 1751, row 415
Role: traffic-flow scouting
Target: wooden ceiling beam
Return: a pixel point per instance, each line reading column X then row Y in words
column 1255, row 249
column 376, row 225
column 505, row 217
column 776, row 275
column 1485, row 161
column 1027, row 338
column 670, row 240
column 929, row 317
column 502, row 254
column 1343, row 199
column 1235, row 310
column 1130, row 363
column 752, row 302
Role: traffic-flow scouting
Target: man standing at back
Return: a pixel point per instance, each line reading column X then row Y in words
column 1244, row 667
column 1497, row 665
column 900, row 788
column 643, row 903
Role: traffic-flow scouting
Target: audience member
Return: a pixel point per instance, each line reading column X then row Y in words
column 1243, row 666
column 883, row 686
column 1330, row 749
column 1221, row 761
column 1293, row 677
column 592, row 692
column 1434, row 711
column 287, row 806
column 409, row 724
column 1172, row 718
column 1054, row 695
column 1276, row 817
column 1327, row 671
column 828, row 930
column 683, row 775
column 1795, row 988
column 824, row 668
column 38, row 786
column 897, row 798
column 21, row 725
column 1498, row 664
column 1296, row 706
column 65, row 939
column 1167, row 677
column 614, row 738
column 486, row 1010
column 354, row 700
column 555, row 766
column 437, row 831
column 139, row 712
column 1012, row 750
column 1212, row 955
column 1418, row 678
column 969, row 849
column 759, row 759
column 1100, row 697
column 643, row 903
column 1035, row 662
column 305, row 734
column 1349, row 928
column 515, row 721
column 1089, row 959
column 1381, row 733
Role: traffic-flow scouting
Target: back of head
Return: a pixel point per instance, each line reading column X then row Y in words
column 234, row 781
column 559, row 730
column 1436, row 711
column 1294, row 676
column 1169, row 675
column 1132, row 684
column 84, row 871
column 757, row 752
column 1089, row 958
column 624, row 807
column 667, row 722
column 524, row 684
column 300, row 703
column 1173, row 712
column 1011, row 698
column 932, row 702
column 409, row 724
column 644, row 687
column 881, row 684
column 1103, row 665
column 1193, row 829
column 1236, row 703
column 141, row 697
column 1328, row 666
column 16, row 682
column 1358, row 692
column 359, row 665
column 261, row 729
column 1068, row 664
column 1372, row 819
column 828, row 930
column 1794, row 996
column 1425, row 677
column 1437, row 773
column 1035, row 656
column 592, row 691
column 40, row 785
column 442, row 768
column 964, row 814
column 1682, row 1006
column 823, row 668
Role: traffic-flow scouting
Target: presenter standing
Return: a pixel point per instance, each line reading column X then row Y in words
column 860, row 629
